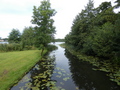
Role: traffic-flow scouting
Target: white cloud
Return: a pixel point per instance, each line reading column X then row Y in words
column 17, row 14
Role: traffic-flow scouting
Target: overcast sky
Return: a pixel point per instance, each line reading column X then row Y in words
column 18, row 14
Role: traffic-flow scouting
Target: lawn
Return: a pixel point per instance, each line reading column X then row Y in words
column 13, row 65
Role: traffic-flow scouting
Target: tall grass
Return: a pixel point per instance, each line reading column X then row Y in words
column 14, row 47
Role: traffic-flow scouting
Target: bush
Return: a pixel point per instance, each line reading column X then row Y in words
column 51, row 47
column 15, row 47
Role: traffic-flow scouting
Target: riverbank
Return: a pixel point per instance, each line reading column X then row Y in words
column 113, row 70
column 14, row 65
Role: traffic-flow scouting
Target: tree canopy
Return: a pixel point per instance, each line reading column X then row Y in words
column 14, row 36
column 42, row 18
column 96, row 32
column 42, row 33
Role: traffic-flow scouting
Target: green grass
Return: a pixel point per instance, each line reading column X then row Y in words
column 62, row 45
column 13, row 65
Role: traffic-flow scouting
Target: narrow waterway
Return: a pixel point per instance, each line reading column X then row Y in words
column 63, row 71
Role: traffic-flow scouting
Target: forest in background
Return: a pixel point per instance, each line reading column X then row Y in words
column 96, row 32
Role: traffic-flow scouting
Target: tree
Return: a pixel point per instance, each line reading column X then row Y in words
column 104, row 6
column 96, row 32
column 14, row 36
column 81, row 27
column 44, row 30
column 118, row 3
column 28, row 36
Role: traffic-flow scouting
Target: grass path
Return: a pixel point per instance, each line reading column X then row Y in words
column 13, row 66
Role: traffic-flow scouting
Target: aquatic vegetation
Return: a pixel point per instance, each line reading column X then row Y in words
column 62, row 45
column 106, row 66
column 44, row 76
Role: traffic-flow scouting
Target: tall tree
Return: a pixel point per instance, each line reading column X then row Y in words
column 14, row 36
column 81, row 27
column 44, row 30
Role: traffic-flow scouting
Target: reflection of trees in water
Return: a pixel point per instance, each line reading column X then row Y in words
column 86, row 78
column 42, row 73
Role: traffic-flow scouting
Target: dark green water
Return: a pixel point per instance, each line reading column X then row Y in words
column 63, row 71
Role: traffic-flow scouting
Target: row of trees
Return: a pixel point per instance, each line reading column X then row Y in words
column 43, row 32
column 96, row 31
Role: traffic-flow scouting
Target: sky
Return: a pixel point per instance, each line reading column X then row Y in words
column 17, row 14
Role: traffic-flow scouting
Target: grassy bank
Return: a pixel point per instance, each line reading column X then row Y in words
column 62, row 45
column 102, row 65
column 13, row 66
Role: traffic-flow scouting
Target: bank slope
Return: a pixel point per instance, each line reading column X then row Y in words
column 13, row 65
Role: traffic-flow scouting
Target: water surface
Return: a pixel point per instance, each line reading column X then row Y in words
column 3, row 42
column 63, row 71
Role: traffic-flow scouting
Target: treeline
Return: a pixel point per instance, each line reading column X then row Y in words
column 96, row 32
column 3, row 39
column 20, row 41
column 34, row 37
column 26, row 38
column 59, row 40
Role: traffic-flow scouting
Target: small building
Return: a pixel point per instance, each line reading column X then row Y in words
column 1, row 40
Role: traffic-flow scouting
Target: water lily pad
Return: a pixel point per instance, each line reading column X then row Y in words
column 21, row 88
column 65, row 79
column 54, row 72
column 60, row 73
column 61, row 83
column 58, row 76
column 35, row 88
column 44, row 80
column 64, row 71
column 77, row 88
column 58, row 68
column 62, row 89
column 28, row 85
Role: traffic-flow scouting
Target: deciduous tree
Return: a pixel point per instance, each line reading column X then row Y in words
column 44, row 29
column 14, row 36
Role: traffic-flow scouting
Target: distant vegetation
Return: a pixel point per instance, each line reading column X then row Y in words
column 59, row 40
column 3, row 39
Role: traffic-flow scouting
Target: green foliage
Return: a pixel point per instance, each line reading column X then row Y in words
column 51, row 47
column 44, row 30
column 59, row 40
column 96, row 32
column 118, row 3
column 28, row 36
column 14, row 36
column 39, row 36
column 62, row 45
column 15, row 47
column 10, row 47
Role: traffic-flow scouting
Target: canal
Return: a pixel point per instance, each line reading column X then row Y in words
column 62, row 71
